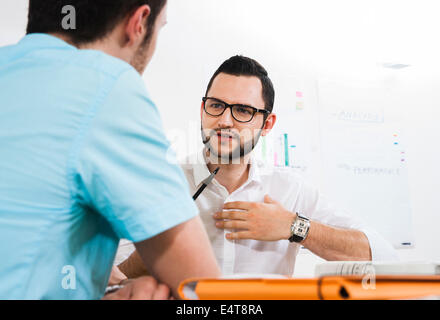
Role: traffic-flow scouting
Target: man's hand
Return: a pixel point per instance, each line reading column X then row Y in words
column 267, row 221
column 143, row 288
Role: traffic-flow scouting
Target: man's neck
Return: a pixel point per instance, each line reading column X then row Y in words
column 107, row 45
column 232, row 175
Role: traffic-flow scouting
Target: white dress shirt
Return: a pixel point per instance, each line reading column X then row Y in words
column 287, row 187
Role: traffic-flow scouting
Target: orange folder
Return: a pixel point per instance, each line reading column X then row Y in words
column 326, row 288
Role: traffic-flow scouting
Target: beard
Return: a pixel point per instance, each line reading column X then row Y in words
column 233, row 156
column 139, row 61
column 141, row 56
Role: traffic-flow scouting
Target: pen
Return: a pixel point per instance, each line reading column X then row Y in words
column 205, row 183
column 111, row 289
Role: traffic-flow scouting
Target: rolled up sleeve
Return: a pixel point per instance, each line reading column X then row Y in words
column 381, row 249
column 317, row 207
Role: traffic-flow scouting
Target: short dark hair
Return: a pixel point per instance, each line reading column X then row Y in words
column 243, row 66
column 94, row 18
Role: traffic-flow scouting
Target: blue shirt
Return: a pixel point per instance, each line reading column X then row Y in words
column 83, row 163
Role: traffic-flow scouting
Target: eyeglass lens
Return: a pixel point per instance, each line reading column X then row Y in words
column 240, row 113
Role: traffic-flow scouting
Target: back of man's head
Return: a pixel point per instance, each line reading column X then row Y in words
column 94, row 19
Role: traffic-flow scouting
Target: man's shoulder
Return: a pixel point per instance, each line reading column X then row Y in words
column 95, row 61
column 124, row 86
column 6, row 53
column 267, row 172
column 52, row 52
column 280, row 174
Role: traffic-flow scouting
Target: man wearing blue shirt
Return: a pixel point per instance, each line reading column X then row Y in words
column 83, row 157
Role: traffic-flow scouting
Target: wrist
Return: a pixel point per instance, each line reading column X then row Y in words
column 291, row 218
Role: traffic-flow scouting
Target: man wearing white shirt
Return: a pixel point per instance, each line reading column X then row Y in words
column 256, row 216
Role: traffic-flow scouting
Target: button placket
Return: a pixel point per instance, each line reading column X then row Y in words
column 228, row 251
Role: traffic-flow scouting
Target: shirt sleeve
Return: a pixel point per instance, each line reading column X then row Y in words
column 126, row 169
column 316, row 206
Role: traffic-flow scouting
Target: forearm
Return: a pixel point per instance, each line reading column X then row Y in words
column 331, row 243
column 133, row 266
column 179, row 253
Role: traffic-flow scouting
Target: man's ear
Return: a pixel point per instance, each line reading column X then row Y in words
column 268, row 125
column 201, row 110
column 136, row 26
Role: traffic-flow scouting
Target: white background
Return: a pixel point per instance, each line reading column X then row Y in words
column 306, row 40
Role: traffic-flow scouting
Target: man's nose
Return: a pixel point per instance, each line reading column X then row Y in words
column 226, row 120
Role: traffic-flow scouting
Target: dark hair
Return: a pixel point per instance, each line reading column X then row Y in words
column 94, row 18
column 244, row 66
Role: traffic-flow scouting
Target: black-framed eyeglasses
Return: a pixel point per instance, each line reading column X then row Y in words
column 240, row 112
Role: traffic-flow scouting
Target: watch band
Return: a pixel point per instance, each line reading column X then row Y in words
column 299, row 229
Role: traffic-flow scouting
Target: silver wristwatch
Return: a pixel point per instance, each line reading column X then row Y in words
column 299, row 229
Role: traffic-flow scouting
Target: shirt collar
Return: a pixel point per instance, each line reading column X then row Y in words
column 201, row 171
column 254, row 170
column 44, row 40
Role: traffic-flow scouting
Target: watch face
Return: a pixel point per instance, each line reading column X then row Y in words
column 301, row 232
column 301, row 228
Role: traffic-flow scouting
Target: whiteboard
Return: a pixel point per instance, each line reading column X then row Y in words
column 365, row 157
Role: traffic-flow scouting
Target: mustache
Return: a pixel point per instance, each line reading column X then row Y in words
column 208, row 133
column 215, row 132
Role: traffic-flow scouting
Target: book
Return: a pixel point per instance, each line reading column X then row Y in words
column 342, row 268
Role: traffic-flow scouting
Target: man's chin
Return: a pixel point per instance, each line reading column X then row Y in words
column 225, row 157
column 223, row 150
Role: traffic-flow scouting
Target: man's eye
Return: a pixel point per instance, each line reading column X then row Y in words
column 216, row 106
column 244, row 110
